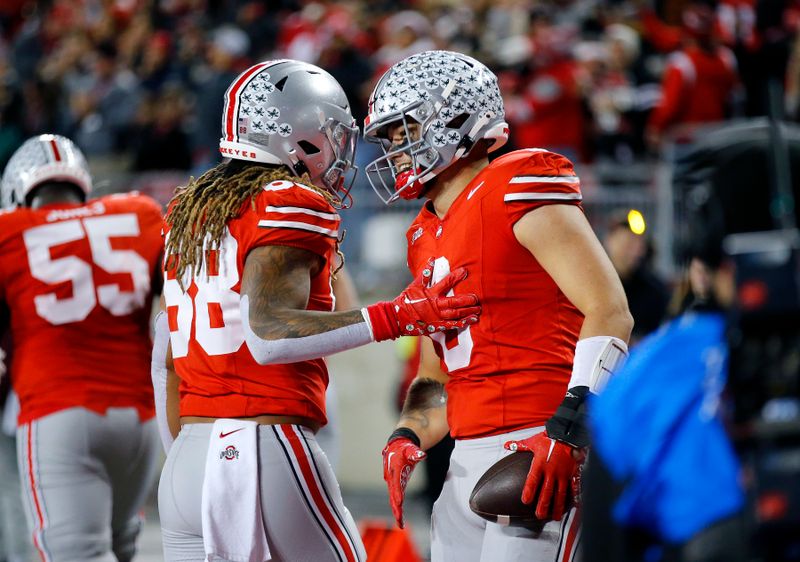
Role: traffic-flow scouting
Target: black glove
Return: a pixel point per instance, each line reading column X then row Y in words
column 568, row 424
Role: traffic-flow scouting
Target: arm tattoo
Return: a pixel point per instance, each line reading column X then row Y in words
column 423, row 395
column 277, row 280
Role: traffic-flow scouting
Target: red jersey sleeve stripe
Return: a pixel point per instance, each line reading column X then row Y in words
column 543, row 197
column 296, row 225
column 545, row 179
column 303, row 211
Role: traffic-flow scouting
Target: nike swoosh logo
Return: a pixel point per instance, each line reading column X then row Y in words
column 473, row 190
column 224, row 435
column 412, row 302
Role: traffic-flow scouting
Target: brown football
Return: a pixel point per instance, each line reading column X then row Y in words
column 497, row 497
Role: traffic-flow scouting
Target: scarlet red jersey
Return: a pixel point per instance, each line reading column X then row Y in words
column 219, row 377
column 511, row 369
column 77, row 280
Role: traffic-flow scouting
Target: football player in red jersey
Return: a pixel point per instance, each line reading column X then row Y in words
column 78, row 277
column 249, row 312
column 554, row 315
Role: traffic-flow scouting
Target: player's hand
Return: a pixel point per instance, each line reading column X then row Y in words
column 550, row 478
column 421, row 310
column 400, row 456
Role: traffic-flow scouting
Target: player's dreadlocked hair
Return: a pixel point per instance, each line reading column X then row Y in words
column 201, row 209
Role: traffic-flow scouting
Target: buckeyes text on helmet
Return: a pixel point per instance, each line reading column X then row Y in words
column 41, row 159
column 456, row 101
column 291, row 113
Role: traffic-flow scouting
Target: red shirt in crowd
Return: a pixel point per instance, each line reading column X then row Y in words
column 696, row 88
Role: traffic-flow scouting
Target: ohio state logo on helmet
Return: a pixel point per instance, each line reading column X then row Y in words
column 453, row 99
column 41, row 159
column 291, row 113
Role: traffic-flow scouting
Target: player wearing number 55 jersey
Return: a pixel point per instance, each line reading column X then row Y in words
column 553, row 309
column 250, row 254
column 77, row 278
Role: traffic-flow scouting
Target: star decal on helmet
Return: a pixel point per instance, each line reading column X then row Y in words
column 284, row 129
column 273, row 112
column 271, row 127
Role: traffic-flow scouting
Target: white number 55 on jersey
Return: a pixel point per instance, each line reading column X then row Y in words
column 99, row 230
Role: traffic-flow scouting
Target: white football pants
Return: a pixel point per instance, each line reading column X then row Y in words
column 458, row 535
column 304, row 516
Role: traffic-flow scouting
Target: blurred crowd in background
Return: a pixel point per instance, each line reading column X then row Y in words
column 139, row 84
column 593, row 79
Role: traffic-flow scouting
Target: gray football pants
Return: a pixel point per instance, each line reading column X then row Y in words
column 301, row 505
column 16, row 540
column 85, row 477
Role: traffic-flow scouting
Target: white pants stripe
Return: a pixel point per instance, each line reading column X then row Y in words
column 304, row 517
column 316, row 495
column 33, row 493
column 570, row 536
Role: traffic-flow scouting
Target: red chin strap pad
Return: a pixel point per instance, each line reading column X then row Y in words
column 410, row 191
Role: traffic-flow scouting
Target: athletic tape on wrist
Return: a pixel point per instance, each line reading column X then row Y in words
column 596, row 358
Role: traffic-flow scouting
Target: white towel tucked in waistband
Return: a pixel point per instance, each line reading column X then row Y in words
column 233, row 528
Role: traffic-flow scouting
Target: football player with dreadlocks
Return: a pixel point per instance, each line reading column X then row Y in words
column 249, row 312
column 78, row 278
column 554, row 319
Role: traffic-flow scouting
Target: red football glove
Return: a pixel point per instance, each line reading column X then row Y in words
column 555, row 467
column 400, row 456
column 421, row 310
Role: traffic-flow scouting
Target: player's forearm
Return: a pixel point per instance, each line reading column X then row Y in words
column 282, row 323
column 425, row 412
column 609, row 320
column 283, row 335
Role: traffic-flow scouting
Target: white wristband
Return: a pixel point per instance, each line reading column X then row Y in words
column 596, row 358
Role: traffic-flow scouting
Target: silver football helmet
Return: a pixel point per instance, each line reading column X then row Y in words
column 456, row 101
column 40, row 159
column 292, row 113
